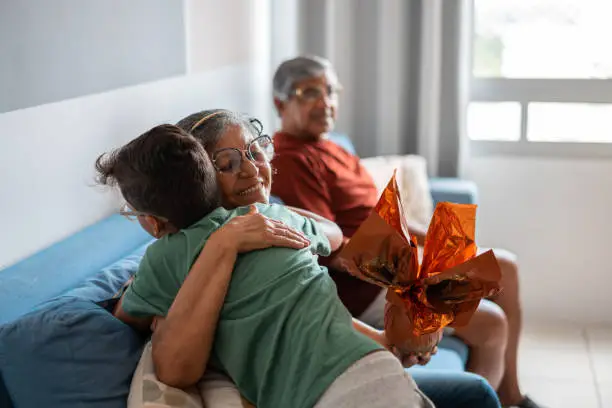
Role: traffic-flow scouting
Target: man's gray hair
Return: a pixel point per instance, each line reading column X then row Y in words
column 297, row 69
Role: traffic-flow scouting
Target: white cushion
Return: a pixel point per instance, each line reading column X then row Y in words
column 411, row 179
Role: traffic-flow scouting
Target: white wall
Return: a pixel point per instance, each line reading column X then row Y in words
column 555, row 214
column 47, row 152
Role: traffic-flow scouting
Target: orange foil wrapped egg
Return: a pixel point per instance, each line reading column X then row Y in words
column 399, row 328
column 422, row 299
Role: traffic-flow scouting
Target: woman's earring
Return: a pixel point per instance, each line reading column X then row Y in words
column 274, row 171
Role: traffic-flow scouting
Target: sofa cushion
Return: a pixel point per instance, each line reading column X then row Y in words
column 5, row 399
column 343, row 141
column 454, row 190
column 147, row 391
column 109, row 281
column 444, row 359
column 70, row 352
column 412, row 182
column 451, row 343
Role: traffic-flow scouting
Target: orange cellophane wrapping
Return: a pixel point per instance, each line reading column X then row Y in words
column 444, row 290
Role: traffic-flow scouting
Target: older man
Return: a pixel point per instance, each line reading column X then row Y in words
column 318, row 175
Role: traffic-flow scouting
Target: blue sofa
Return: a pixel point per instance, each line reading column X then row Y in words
column 60, row 347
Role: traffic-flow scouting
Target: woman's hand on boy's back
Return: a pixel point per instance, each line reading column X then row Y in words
column 254, row 231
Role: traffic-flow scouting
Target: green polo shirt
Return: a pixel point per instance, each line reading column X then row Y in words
column 283, row 335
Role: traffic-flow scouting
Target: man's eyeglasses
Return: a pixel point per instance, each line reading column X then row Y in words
column 229, row 160
column 315, row 93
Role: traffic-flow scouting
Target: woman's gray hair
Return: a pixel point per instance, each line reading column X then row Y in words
column 297, row 69
column 209, row 126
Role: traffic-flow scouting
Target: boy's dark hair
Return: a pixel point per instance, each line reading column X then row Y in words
column 209, row 126
column 164, row 172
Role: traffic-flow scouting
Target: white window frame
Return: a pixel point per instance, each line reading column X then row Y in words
column 529, row 90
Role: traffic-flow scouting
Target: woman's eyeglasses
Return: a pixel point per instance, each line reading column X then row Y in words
column 315, row 93
column 229, row 160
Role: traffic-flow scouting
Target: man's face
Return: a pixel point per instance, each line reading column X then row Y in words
column 311, row 109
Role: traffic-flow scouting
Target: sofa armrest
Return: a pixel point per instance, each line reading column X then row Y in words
column 453, row 190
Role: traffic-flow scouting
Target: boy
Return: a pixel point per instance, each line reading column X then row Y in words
column 283, row 336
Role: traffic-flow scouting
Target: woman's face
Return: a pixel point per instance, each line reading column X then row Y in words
column 242, row 181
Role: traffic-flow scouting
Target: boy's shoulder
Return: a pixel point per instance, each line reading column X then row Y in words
column 200, row 229
column 284, row 214
column 274, row 210
column 278, row 212
column 216, row 219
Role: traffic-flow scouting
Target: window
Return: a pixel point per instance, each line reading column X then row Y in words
column 543, row 38
column 570, row 122
column 484, row 119
column 541, row 72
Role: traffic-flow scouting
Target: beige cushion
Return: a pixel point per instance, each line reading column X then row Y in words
column 215, row 390
column 147, row 391
column 412, row 181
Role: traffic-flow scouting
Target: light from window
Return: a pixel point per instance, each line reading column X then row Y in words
column 543, row 38
column 500, row 121
column 570, row 122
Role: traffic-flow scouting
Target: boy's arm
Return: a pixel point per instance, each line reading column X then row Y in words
column 141, row 324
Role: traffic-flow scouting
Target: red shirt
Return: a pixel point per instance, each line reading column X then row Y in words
column 322, row 177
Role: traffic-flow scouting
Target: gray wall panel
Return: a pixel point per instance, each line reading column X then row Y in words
column 54, row 50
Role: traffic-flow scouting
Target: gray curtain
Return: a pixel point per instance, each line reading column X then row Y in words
column 405, row 67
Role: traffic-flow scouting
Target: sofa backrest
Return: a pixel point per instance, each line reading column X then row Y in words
column 343, row 141
column 66, row 264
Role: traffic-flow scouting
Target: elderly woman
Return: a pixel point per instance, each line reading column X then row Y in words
column 182, row 341
column 316, row 174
